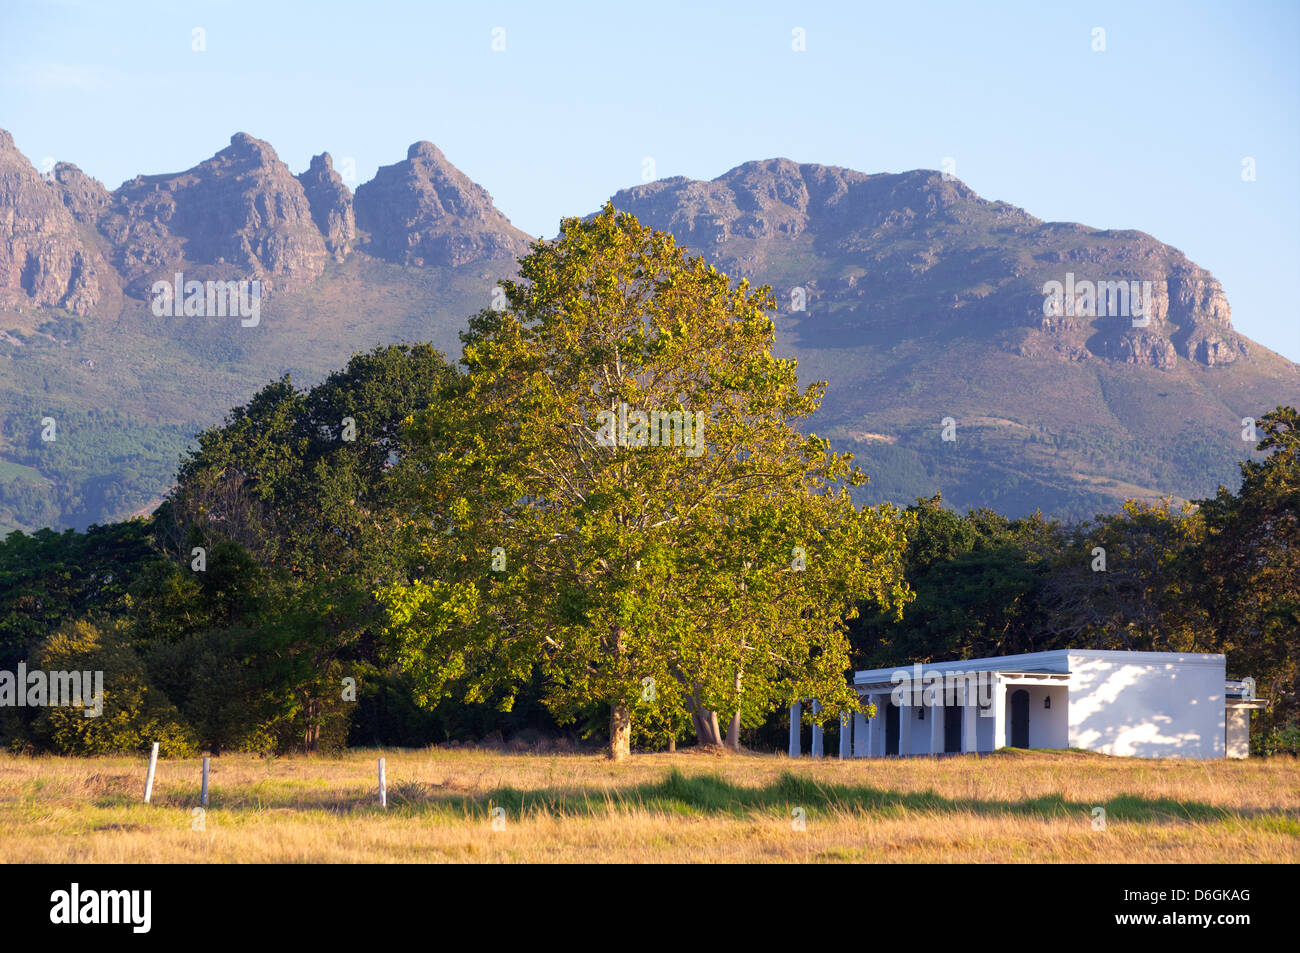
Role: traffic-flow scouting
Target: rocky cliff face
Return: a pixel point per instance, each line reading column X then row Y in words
column 85, row 198
column 43, row 258
column 331, row 205
column 242, row 211
column 239, row 214
column 902, row 249
column 879, row 250
column 425, row 211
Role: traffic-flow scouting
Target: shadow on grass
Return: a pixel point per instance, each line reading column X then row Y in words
column 703, row 795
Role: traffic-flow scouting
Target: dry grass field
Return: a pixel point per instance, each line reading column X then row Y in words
column 695, row 807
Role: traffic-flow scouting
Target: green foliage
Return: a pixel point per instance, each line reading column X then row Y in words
column 1140, row 600
column 292, row 500
column 626, row 562
column 978, row 581
column 48, row 577
column 1285, row 740
column 135, row 713
column 295, row 521
column 1248, row 569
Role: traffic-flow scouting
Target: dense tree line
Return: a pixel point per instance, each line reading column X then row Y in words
column 252, row 652
column 241, row 615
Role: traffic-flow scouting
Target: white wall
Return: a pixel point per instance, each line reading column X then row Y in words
column 1146, row 706
column 920, row 730
column 1048, row 727
column 1238, row 732
column 984, row 728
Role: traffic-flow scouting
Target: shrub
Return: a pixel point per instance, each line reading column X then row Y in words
column 135, row 712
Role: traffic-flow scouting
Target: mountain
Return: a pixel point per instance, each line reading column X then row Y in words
column 426, row 211
column 44, row 259
column 409, row 257
column 919, row 301
column 915, row 298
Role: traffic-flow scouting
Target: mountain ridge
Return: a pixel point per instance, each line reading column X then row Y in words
column 916, row 298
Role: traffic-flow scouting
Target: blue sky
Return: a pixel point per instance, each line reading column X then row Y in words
column 1150, row 133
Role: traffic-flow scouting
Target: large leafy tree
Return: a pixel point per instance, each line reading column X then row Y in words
column 1127, row 582
column 978, row 579
column 712, row 573
column 1249, row 565
column 291, row 498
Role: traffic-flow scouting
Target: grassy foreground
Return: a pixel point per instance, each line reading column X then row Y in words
column 696, row 807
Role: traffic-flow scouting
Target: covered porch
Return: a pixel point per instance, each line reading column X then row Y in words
column 949, row 713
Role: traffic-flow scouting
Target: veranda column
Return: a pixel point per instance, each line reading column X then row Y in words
column 796, row 725
column 936, row 722
column 969, row 711
column 846, row 735
column 999, row 713
column 817, row 731
column 905, row 716
column 876, row 728
column 861, row 736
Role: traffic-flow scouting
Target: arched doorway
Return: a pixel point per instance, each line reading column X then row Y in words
column 1020, row 718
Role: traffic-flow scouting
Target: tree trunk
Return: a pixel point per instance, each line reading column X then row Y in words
column 707, row 732
column 620, row 732
column 620, row 716
column 733, row 732
column 311, row 737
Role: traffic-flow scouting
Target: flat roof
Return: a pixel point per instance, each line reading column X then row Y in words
column 1042, row 663
column 1039, row 674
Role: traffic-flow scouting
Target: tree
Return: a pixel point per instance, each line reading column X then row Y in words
column 291, row 500
column 978, row 580
column 620, row 499
column 134, row 712
column 1249, row 566
column 1126, row 582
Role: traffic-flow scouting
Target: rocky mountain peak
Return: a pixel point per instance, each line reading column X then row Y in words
column 331, row 205
column 241, row 211
column 425, row 150
column 85, row 197
column 425, row 211
column 43, row 258
column 244, row 146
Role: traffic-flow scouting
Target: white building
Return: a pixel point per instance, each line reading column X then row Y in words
column 1143, row 704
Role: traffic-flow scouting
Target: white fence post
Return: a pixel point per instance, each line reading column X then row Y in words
column 148, row 780
column 203, row 793
column 383, row 785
